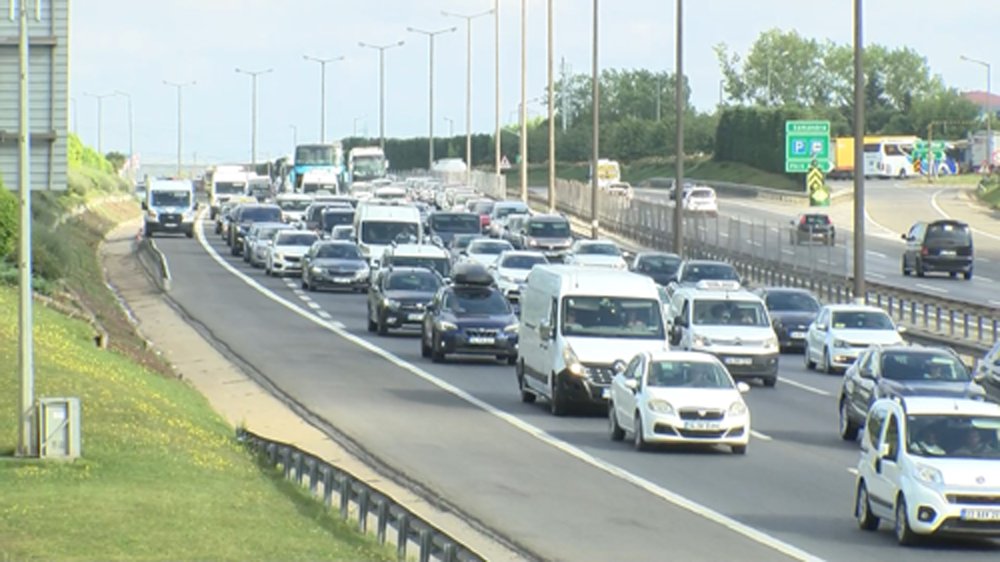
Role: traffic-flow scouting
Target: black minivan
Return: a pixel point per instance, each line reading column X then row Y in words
column 941, row 245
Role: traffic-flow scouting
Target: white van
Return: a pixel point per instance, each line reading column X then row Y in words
column 577, row 323
column 722, row 318
column 379, row 226
column 169, row 206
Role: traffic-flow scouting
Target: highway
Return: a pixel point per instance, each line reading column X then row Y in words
column 556, row 486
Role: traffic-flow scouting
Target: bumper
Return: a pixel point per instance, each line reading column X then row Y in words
column 792, row 337
column 664, row 428
column 462, row 343
column 931, row 512
column 744, row 365
column 338, row 281
column 286, row 266
column 403, row 317
column 946, row 263
column 815, row 236
column 844, row 358
column 592, row 388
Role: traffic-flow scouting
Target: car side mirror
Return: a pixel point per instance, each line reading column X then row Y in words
column 679, row 321
column 979, row 377
column 545, row 330
column 821, row 327
column 900, row 329
column 904, row 237
column 145, row 206
column 632, row 384
column 742, row 387
column 866, row 374
column 883, row 450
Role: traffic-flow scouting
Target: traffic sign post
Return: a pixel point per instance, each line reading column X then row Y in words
column 819, row 192
column 807, row 143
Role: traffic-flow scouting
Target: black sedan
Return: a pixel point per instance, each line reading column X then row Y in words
column 334, row 265
column 791, row 311
column 661, row 266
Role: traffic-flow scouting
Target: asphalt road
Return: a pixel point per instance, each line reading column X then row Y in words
column 558, row 486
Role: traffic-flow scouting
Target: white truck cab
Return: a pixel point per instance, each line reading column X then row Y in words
column 722, row 318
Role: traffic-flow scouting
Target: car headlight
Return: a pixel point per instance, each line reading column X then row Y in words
column 660, row 406
column 511, row 328
column 532, row 243
column 738, row 408
column 701, row 341
column 840, row 344
column 572, row 362
column 929, row 474
column 771, row 343
column 446, row 326
column 390, row 303
column 316, row 270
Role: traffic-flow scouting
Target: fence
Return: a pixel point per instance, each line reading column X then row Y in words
column 356, row 499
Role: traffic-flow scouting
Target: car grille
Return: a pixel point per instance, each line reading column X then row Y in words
column 293, row 259
column 170, row 218
column 701, row 433
column 482, row 332
column 960, row 525
column 974, row 499
column 412, row 306
column 339, row 273
column 600, row 374
column 704, row 415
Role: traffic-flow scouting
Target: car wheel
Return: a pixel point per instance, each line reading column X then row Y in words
column 848, row 428
column 437, row 355
column 863, row 509
column 638, row 439
column 824, row 364
column 557, row 402
column 425, row 350
column 919, row 267
column 614, row 429
column 372, row 326
column 953, row 274
column 382, row 326
column 527, row 396
column 967, row 275
column 305, row 284
column 904, row 534
column 233, row 250
column 770, row 382
column 738, row 449
column 810, row 364
column 512, row 359
column 906, row 270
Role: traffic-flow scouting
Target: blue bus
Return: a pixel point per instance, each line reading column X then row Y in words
column 310, row 157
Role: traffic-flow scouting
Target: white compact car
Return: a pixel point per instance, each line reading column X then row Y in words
column 259, row 241
column 485, row 251
column 701, row 199
column 596, row 253
column 678, row 397
column 931, row 466
column 511, row 271
column 842, row 331
column 287, row 250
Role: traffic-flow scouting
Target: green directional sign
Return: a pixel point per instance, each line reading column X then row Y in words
column 807, row 143
column 936, row 148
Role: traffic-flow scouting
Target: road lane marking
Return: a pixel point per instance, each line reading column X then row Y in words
column 761, row 436
column 805, row 387
column 674, row 498
column 995, row 303
column 299, row 292
column 756, row 243
column 931, row 288
column 324, row 314
column 984, row 260
column 852, row 470
column 877, row 254
column 876, row 275
column 981, row 278
column 824, row 261
column 787, row 251
column 313, row 305
column 886, row 233
column 941, row 212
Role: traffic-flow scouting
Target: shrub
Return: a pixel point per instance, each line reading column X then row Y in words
column 8, row 222
column 49, row 253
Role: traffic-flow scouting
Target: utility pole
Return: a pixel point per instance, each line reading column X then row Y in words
column 100, row 118
column 564, row 70
column 430, row 117
column 496, row 86
column 859, row 156
column 253, row 109
column 552, row 113
column 381, row 86
column 679, row 107
column 524, row 102
column 322, row 92
column 180, row 117
column 595, row 229
column 468, row 87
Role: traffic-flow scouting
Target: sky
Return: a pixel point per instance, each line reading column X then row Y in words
column 135, row 45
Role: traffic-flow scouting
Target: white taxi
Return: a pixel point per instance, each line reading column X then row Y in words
column 678, row 397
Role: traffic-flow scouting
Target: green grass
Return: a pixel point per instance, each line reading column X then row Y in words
column 956, row 180
column 641, row 171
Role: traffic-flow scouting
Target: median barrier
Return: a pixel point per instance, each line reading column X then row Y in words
column 154, row 262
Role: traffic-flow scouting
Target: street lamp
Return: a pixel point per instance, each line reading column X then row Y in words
column 451, row 126
column 322, row 92
column 552, row 114
column 524, row 101
column 295, row 135
column 989, row 110
column 595, row 143
column 468, row 86
column 381, row 86
column 131, row 137
column 496, row 83
column 253, row 110
column 430, row 119
column 859, row 156
column 100, row 118
column 679, row 108
column 180, row 120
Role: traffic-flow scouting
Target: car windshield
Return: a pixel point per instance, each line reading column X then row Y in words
column 599, row 250
column 171, row 198
column 260, row 214
column 658, row 264
column 342, row 233
column 478, row 302
column 711, row 271
column 923, row 366
column 489, row 247
column 792, row 301
column 337, row 218
column 955, row 233
column 549, row 229
column 314, row 155
column 338, row 251
column 861, row 320
column 441, row 265
column 229, row 187
column 727, row 312
column 266, row 233
column 296, row 239
column 379, row 232
column 953, row 436
column 462, row 242
column 701, row 193
column 687, row 374
column 420, row 281
column 613, row 317
column 294, row 204
column 522, row 261
column 458, row 222
column 505, row 210
column 815, row 220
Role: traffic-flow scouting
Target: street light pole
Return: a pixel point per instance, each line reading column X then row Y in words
column 496, row 86
column 595, row 89
column 989, row 110
column 381, row 86
column 322, row 92
column 859, row 156
column 100, row 118
column 430, row 117
column 679, row 108
column 131, row 137
column 180, row 120
column 468, row 86
column 451, row 126
column 253, row 110
column 552, row 112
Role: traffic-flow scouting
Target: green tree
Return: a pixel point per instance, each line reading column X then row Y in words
column 8, row 222
column 116, row 159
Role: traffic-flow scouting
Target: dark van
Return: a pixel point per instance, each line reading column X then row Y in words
column 942, row 245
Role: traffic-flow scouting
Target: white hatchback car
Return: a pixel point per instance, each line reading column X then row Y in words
column 596, row 253
column 287, row 250
column 485, row 251
column 932, row 467
column 701, row 199
column 678, row 397
column 842, row 331
column 511, row 271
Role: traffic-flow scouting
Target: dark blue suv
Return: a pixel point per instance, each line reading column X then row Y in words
column 469, row 317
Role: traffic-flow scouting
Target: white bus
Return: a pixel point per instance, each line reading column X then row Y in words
column 890, row 157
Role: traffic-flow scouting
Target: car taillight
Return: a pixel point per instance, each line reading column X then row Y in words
column 802, row 220
column 924, row 251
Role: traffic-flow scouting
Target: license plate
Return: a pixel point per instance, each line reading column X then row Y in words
column 798, row 335
column 170, row 225
column 415, row 316
column 947, row 252
column 700, row 425
column 981, row 514
column 605, row 393
column 481, row 340
column 738, row 361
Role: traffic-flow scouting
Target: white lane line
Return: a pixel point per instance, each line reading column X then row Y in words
column 756, row 243
column 876, row 275
column 671, row 497
column 773, row 229
column 877, row 254
column 761, row 436
column 931, row 288
column 313, row 305
column 324, row 315
column 805, row 387
column 299, row 292
column 824, row 261
column 886, row 233
column 852, row 470
column 941, row 212
column 984, row 260
column 981, row 278
column 724, row 235
column 787, row 251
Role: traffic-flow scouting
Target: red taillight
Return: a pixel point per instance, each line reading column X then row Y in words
column 802, row 220
column 923, row 251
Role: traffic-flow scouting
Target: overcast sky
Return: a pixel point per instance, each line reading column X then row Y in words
column 134, row 46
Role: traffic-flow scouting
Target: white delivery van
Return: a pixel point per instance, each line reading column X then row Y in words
column 169, row 206
column 321, row 180
column 379, row 226
column 576, row 324
column 226, row 182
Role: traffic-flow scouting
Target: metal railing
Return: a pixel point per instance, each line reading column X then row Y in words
column 392, row 522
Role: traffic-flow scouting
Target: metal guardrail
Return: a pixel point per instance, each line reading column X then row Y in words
column 357, row 500
column 154, row 261
column 745, row 190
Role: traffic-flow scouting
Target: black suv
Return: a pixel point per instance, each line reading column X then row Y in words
column 661, row 266
column 399, row 295
column 901, row 370
column 942, row 245
column 813, row 227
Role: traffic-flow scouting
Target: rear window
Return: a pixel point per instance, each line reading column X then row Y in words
column 261, row 214
column 952, row 232
column 816, row 219
column 467, row 223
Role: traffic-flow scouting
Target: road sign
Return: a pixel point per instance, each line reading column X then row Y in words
column 806, row 143
column 504, row 163
column 819, row 193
